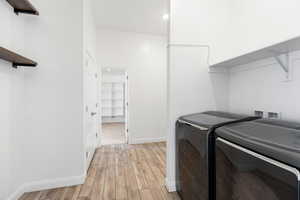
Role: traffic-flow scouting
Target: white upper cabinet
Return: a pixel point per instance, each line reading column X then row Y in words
column 256, row 25
column 232, row 28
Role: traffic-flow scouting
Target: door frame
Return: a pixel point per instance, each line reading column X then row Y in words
column 88, row 58
column 126, row 109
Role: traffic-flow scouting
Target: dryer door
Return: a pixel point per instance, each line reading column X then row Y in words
column 245, row 175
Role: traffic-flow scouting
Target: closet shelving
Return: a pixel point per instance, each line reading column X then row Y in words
column 16, row 59
column 279, row 51
column 23, row 6
column 113, row 101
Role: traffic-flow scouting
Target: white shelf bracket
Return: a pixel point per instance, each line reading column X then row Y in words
column 283, row 59
column 284, row 64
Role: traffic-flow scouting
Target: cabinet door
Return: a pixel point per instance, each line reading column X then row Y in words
column 245, row 175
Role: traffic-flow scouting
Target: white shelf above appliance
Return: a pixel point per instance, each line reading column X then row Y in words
column 279, row 51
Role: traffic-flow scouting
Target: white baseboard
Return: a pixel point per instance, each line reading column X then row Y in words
column 17, row 194
column 170, row 185
column 147, row 140
column 46, row 184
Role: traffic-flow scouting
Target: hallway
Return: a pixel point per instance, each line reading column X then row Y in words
column 125, row 172
column 113, row 133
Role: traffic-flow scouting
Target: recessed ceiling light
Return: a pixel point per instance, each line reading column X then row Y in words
column 166, row 17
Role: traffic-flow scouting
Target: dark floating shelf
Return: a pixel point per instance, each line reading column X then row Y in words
column 23, row 6
column 16, row 59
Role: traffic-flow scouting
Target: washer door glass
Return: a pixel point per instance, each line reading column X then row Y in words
column 244, row 175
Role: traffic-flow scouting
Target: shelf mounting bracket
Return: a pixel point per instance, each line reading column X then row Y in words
column 283, row 59
column 283, row 64
column 16, row 65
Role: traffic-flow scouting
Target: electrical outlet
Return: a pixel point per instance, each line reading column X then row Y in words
column 274, row 115
column 259, row 113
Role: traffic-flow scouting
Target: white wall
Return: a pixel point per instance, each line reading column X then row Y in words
column 89, row 30
column 144, row 58
column 11, row 103
column 53, row 93
column 41, row 118
column 204, row 22
column 262, row 86
column 191, row 88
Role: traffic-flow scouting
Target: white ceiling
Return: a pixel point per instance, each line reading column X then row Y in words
column 143, row 16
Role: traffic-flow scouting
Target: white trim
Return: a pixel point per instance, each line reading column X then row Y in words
column 261, row 157
column 193, row 125
column 17, row 194
column 170, row 185
column 46, row 184
column 147, row 140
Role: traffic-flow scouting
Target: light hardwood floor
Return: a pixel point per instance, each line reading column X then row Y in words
column 119, row 172
column 113, row 133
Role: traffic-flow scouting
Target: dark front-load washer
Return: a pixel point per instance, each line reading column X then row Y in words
column 195, row 150
column 258, row 160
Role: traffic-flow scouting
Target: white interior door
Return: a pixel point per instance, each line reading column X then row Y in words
column 91, row 117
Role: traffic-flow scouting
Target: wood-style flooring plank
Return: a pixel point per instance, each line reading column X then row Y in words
column 150, row 179
column 118, row 172
column 53, row 194
column 110, row 178
column 153, row 164
column 133, row 192
column 71, row 193
column 31, row 196
column 121, row 186
column 100, row 166
column 147, row 195
column 158, row 194
column 86, row 189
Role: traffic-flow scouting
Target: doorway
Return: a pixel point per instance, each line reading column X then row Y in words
column 114, row 102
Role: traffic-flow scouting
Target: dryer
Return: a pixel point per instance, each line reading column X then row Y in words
column 258, row 160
